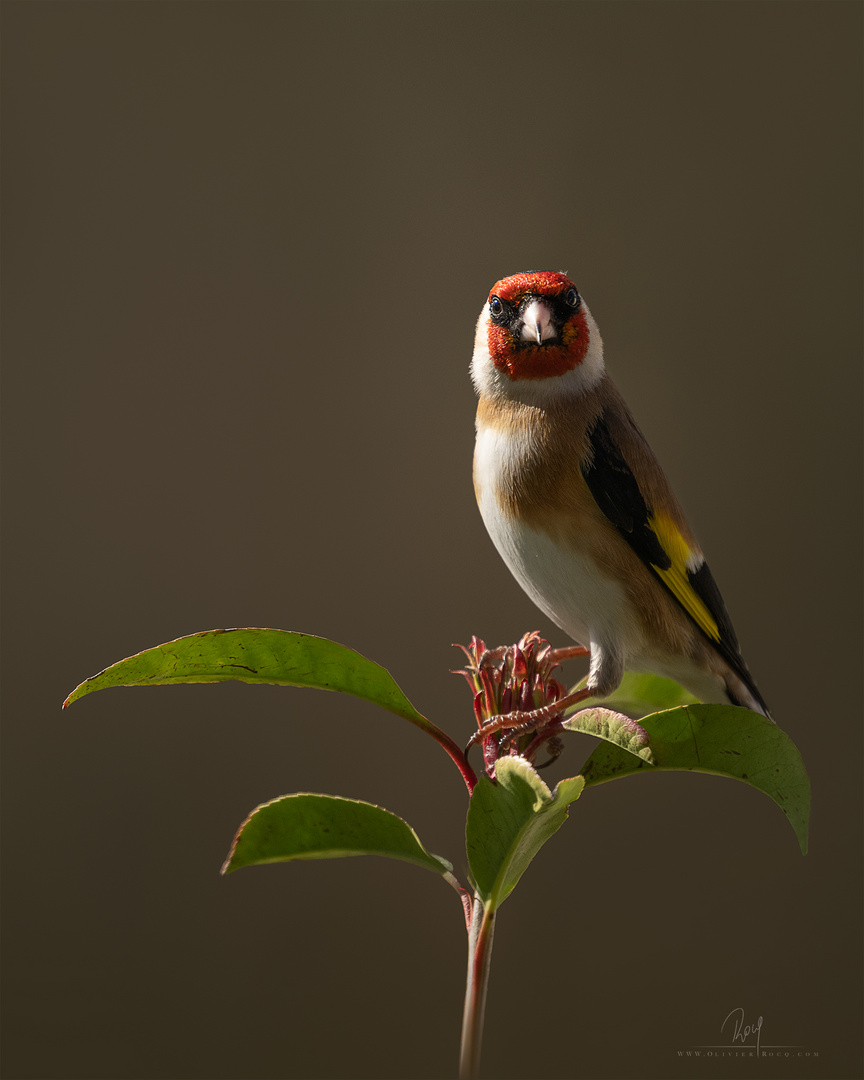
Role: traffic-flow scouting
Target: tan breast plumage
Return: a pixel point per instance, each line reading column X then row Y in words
column 557, row 542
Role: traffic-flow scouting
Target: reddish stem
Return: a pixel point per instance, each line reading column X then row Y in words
column 458, row 756
column 479, row 957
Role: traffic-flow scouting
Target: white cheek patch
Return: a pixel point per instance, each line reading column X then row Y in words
column 592, row 367
column 484, row 374
column 487, row 379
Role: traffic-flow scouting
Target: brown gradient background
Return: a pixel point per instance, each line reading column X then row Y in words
column 245, row 248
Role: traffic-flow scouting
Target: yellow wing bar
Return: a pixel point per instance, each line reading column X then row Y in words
column 676, row 577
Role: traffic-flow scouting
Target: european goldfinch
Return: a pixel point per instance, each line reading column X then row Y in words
column 579, row 508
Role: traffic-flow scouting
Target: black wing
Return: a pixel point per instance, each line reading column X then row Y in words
column 660, row 546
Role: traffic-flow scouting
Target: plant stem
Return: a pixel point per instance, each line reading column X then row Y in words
column 479, row 959
column 458, row 756
column 456, row 753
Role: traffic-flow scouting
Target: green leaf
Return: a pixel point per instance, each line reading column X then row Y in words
column 614, row 728
column 307, row 826
column 256, row 655
column 508, row 823
column 640, row 694
column 720, row 739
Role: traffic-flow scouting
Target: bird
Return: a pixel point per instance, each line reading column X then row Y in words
column 580, row 510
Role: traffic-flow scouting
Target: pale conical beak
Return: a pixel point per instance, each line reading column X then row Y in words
column 537, row 323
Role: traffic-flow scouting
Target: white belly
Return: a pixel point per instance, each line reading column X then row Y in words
column 563, row 582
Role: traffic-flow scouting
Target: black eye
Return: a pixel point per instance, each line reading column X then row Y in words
column 572, row 298
column 495, row 306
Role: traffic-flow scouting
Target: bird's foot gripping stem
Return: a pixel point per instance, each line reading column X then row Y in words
column 519, row 723
column 516, row 693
